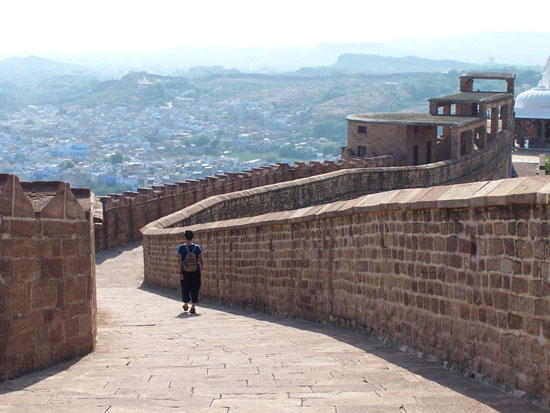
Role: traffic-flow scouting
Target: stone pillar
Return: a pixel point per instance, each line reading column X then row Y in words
column 433, row 108
column 466, row 85
column 510, row 85
column 545, row 131
column 482, row 137
column 446, row 112
column 507, row 114
column 494, row 122
column 455, row 144
column 469, row 137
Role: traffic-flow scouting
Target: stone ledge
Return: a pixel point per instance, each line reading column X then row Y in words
column 513, row 191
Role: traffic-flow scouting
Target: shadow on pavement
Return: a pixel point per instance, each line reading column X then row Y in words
column 21, row 382
column 102, row 256
column 487, row 393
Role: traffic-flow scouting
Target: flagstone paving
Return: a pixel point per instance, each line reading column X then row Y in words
column 152, row 357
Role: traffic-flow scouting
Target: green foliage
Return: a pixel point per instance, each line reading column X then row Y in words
column 115, row 159
column 67, row 164
column 547, row 166
column 290, row 152
column 201, row 140
column 213, row 146
column 332, row 130
column 330, row 149
column 102, row 190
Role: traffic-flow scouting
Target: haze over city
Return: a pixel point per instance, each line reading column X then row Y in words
column 116, row 95
column 253, row 34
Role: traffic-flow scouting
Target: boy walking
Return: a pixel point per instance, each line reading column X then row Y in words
column 190, row 263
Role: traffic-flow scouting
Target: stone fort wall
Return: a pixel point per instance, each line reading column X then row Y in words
column 47, row 274
column 458, row 272
column 123, row 215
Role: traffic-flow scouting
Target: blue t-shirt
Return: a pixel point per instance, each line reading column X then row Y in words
column 196, row 249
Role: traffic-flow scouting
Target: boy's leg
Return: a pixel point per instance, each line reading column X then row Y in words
column 194, row 288
column 185, row 292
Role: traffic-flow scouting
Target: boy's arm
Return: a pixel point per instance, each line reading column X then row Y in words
column 179, row 266
column 201, row 262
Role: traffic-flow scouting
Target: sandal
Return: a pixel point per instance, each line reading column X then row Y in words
column 192, row 311
column 185, row 307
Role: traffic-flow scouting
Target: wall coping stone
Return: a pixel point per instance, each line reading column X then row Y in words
column 511, row 191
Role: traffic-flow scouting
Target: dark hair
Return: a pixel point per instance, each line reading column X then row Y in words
column 188, row 235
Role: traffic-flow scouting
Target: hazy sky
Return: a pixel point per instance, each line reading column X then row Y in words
column 54, row 26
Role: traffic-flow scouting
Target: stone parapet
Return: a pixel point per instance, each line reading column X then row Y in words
column 458, row 272
column 340, row 185
column 123, row 215
column 47, row 274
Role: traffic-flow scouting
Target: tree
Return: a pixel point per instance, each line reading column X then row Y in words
column 67, row 164
column 213, row 146
column 329, row 129
column 201, row 140
column 115, row 159
column 330, row 149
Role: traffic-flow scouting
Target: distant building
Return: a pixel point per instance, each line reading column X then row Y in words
column 457, row 125
column 533, row 114
column 75, row 151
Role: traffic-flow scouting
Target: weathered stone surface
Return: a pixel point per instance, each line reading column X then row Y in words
column 431, row 278
column 152, row 357
column 46, row 268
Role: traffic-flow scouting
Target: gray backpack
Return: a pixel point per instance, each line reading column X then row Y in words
column 190, row 263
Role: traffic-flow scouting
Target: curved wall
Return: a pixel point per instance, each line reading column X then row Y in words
column 121, row 216
column 459, row 272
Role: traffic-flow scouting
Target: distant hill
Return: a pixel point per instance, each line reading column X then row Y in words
column 375, row 64
column 35, row 80
column 29, row 71
column 354, row 83
column 372, row 64
column 197, row 72
column 136, row 89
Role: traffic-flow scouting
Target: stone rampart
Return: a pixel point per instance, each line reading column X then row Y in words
column 340, row 185
column 459, row 272
column 47, row 274
column 123, row 215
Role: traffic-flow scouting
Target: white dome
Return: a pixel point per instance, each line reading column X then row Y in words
column 535, row 103
column 536, row 98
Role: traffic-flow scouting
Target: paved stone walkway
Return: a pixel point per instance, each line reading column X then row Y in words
column 151, row 357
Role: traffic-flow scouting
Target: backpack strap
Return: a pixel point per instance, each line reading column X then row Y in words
column 187, row 248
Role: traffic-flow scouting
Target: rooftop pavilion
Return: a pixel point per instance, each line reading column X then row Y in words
column 456, row 125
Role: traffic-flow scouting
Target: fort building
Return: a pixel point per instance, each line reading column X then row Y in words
column 456, row 126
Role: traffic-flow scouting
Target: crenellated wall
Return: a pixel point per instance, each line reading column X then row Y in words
column 123, row 215
column 459, row 272
column 492, row 163
column 47, row 274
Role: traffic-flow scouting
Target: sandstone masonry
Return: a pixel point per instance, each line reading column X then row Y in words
column 459, row 272
column 47, row 274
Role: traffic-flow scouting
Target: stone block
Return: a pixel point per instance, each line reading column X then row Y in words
column 44, row 295
column 75, row 290
column 52, row 267
column 55, row 228
column 24, row 229
column 20, row 248
column 76, row 266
